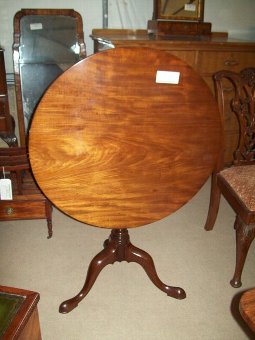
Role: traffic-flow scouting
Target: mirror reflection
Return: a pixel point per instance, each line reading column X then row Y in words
column 48, row 45
column 179, row 9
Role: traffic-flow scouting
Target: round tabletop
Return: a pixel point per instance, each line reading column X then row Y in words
column 116, row 143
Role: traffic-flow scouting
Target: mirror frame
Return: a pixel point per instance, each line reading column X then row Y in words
column 16, row 54
column 199, row 16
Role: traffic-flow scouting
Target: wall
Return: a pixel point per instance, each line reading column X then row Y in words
column 233, row 16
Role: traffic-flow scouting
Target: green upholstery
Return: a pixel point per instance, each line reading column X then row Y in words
column 9, row 305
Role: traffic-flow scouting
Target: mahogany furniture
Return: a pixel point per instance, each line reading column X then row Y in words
column 28, row 201
column 206, row 56
column 7, row 123
column 19, row 317
column 247, row 308
column 122, row 150
column 46, row 43
column 235, row 93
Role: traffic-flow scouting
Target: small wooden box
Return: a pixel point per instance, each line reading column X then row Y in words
column 167, row 28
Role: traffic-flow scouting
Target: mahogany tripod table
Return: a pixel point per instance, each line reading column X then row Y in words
column 116, row 144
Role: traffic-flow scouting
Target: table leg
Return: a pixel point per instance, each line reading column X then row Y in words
column 137, row 255
column 119, row 248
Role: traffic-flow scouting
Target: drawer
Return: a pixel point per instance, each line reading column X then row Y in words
column 12, row 210
column 210, row 62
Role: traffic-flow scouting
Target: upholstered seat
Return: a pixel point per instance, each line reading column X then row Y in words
column 242, row 181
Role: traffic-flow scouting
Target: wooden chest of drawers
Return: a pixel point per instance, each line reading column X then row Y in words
column 206, row 56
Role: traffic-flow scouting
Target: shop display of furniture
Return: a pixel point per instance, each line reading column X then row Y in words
column 27, row 202
column 235, row 93
column 120, row 141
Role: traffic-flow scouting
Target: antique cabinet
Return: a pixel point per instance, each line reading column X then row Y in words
column 205, row 55
column 7, row 125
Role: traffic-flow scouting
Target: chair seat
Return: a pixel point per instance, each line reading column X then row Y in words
column 242, row 181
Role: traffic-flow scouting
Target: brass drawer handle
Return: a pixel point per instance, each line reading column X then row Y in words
column 231, row 62
column 9, row 211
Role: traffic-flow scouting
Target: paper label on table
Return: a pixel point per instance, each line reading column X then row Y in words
column 167, row 77
column 36, row 26
column 190, row 7
column 5, row 189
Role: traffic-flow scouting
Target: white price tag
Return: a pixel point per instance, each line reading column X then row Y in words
column 190, row 7
column 5, row 189
column 36, row 26
column 167, row 77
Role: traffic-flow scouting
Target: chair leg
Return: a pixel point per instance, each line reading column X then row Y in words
column 244, row 236
column 214, row 203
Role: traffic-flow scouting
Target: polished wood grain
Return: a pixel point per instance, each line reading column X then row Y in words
column 112, row 148
column 247, row 307
column 207, row 56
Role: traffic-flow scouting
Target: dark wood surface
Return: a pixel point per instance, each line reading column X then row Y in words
column 112, row 148
column 23, row 324
column 247, row 307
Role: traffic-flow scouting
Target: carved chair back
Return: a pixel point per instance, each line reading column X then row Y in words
column 238, row 91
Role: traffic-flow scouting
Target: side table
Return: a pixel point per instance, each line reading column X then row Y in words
column 19, row 317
